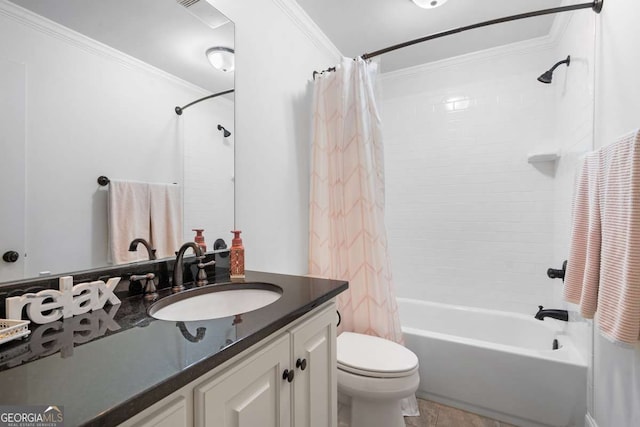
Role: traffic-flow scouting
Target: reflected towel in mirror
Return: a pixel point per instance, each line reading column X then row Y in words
column 129, row 217
column 142, row 210
column 166, row 218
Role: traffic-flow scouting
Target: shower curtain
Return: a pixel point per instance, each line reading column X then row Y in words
column 348, row 239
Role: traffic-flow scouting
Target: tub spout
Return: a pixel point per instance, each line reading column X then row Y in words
column 554, row 313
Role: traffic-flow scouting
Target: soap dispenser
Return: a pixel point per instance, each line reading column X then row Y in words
column 199, row 239
column 236, row 263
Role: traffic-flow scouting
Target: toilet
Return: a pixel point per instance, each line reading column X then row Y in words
column 374, row 375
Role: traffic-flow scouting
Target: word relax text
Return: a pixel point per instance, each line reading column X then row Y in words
column 50, row 305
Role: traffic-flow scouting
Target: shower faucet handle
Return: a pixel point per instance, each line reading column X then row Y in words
column 558, row 273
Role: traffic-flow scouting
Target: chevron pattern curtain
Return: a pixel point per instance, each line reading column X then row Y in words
column 348, row 239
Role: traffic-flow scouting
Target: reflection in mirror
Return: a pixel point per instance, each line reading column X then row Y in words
column 89, row 89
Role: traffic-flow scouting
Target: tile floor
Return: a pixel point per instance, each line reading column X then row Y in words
column 433, row 414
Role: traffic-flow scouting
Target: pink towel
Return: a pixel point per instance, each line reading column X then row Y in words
column 583, row 268
column 614, row 208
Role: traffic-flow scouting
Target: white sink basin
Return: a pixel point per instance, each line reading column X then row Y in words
column 214, row 302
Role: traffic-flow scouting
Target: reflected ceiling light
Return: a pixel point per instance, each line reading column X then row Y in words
column 222, row 58
column 429, row 4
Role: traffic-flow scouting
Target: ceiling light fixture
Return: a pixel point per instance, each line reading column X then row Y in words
column 429, row 4
column 222, row 58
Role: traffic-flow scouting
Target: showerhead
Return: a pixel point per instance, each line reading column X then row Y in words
column 548, row 75
column 225, row 132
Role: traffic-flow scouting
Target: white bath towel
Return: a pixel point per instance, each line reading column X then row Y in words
column 166, row 219
column 128, row 216
column 618, row 204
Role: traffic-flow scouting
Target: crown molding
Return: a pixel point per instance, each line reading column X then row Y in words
column 72, row 38
column 301, row 19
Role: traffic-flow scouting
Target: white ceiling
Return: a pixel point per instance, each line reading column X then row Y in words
column 362, row 26
column 160, row 32
column 164, row 33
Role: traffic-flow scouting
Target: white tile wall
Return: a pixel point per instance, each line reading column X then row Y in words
column 470, row 221
column 575, row 99
column 574, row 115
column 208, row 170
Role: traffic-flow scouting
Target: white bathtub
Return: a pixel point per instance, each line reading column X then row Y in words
column 497, row 364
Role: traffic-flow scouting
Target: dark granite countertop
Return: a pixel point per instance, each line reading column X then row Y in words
column 106, row 366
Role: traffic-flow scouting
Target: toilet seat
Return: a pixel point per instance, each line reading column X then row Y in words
column 374, row 357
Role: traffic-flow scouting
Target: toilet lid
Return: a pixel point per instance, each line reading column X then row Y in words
column 374, row 357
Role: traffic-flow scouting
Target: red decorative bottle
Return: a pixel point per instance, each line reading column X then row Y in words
column 236, row 263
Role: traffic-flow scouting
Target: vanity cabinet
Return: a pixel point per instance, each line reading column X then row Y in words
column 287, row 380
column 315, row 384
column 251, row 393
column 173, row 411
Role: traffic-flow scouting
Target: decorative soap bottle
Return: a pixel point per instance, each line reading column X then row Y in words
column 199, row 239
column 236, row 263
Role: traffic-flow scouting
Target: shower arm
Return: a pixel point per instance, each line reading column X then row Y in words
column 179, row 110
column 559, row 63
column 596, row 6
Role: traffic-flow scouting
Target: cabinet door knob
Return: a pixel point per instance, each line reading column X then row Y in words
column 10, row 256
column 302, row 364
column 287, row 375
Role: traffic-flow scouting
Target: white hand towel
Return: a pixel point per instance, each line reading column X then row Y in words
column 166, row 219
column 129, row 213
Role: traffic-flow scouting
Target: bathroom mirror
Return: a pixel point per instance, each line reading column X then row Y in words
column 89, row 89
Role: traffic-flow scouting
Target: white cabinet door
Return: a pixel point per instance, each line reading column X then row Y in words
column 249, row 394
column 315, row 393
column 173, row 414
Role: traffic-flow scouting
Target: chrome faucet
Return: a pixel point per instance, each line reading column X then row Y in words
column 133, row 246
column 178, row 267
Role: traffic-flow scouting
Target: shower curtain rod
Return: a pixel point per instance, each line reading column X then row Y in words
column 596, row 6
column 178, row 110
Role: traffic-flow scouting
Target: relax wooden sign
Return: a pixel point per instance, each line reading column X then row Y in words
column 68, row 301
